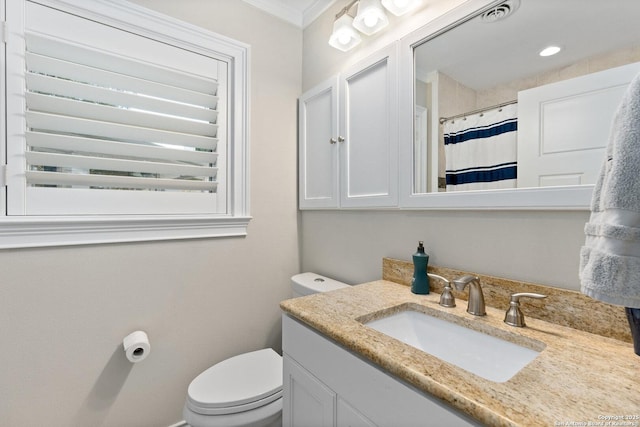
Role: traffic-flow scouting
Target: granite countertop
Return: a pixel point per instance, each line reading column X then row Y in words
column 579, row 378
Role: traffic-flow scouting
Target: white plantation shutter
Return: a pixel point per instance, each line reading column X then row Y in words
column 115, row 123
column 120, row 124
column 86, row 125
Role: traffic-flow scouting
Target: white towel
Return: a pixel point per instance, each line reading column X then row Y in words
column 610, row 258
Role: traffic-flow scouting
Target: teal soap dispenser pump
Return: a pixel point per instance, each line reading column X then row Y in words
column 420, row 282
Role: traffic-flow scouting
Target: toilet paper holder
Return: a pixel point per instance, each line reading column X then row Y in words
column 136, row 346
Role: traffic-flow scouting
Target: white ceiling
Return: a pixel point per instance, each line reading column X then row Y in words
column 481, row 55
column 298, row 12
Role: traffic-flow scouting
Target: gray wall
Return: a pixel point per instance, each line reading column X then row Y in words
column 65, row 311
column 540, row 247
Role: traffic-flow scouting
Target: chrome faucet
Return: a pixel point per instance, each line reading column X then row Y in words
column 475, row 305
column 446, row 297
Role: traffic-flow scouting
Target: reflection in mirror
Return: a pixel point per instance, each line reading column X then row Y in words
column 491, row 112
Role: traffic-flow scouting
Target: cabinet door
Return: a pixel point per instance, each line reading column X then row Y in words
column 369, row 125
column 307, row 401
column 348, row 416
column 317, row 141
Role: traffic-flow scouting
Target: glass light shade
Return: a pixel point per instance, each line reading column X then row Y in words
column 344, row 37
column 371, row 17
column 400, row 7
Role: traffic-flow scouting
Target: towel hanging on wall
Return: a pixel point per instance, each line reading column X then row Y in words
column 480, row 150
column 610, row 258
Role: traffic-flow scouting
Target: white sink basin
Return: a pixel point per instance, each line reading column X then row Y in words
column 487, row 356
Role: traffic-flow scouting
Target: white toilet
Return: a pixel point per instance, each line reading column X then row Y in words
column 246, row 390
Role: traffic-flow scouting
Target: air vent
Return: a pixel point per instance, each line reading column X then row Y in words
column 500, row 12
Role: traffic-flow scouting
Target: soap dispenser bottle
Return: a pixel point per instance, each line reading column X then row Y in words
column 420, row 282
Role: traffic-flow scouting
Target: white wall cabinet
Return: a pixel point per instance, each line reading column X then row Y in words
column 317, row 146
column 326, row 385
column 348, row 137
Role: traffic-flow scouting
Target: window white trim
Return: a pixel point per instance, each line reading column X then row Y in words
column 36, row 231
column 62, row 231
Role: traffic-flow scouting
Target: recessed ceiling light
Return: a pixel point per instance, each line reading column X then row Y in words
column 550, row 50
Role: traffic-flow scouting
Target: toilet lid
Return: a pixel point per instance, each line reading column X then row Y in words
column 237, row 384
column 312, row 283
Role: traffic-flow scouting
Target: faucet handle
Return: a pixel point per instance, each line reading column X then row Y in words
column 514, row 316
column 446, row 297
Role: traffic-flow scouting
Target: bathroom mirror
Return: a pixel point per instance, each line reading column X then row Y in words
column 521, row 130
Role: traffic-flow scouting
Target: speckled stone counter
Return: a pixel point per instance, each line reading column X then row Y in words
column 562, row 307
column 579, row 378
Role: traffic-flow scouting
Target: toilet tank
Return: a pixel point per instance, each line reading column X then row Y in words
column 311, row 283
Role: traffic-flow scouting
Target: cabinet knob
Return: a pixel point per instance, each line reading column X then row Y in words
column 332, row 141
column 340, row 139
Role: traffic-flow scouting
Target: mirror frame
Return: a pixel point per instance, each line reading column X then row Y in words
column 577, row 197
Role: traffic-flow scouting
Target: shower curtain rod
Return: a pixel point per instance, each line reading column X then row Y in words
column 479, row 110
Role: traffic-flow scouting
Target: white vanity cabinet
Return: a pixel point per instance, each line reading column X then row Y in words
column 325, row 385
column 348, row 137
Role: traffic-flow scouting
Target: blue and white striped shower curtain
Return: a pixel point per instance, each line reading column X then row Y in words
column 481, row 149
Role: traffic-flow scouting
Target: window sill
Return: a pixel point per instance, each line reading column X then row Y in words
column 83, row 230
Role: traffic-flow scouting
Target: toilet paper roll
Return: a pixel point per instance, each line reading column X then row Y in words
column 136, row 346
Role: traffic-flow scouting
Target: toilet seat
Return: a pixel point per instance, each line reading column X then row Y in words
column 237, row 384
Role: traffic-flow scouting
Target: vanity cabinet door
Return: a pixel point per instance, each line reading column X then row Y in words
column 369, row 126
column 348, row 137
column 318, row 146
column 348, row 416
column 308, row 402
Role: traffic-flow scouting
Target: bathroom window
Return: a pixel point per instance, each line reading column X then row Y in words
column 122, row 125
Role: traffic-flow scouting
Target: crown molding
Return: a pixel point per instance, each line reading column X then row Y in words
column 315, row 10
column 296, row 16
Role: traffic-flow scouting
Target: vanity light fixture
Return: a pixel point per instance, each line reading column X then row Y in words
column 344, row 36
column 400, row 7
column 550, row 50
column 369, row 19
